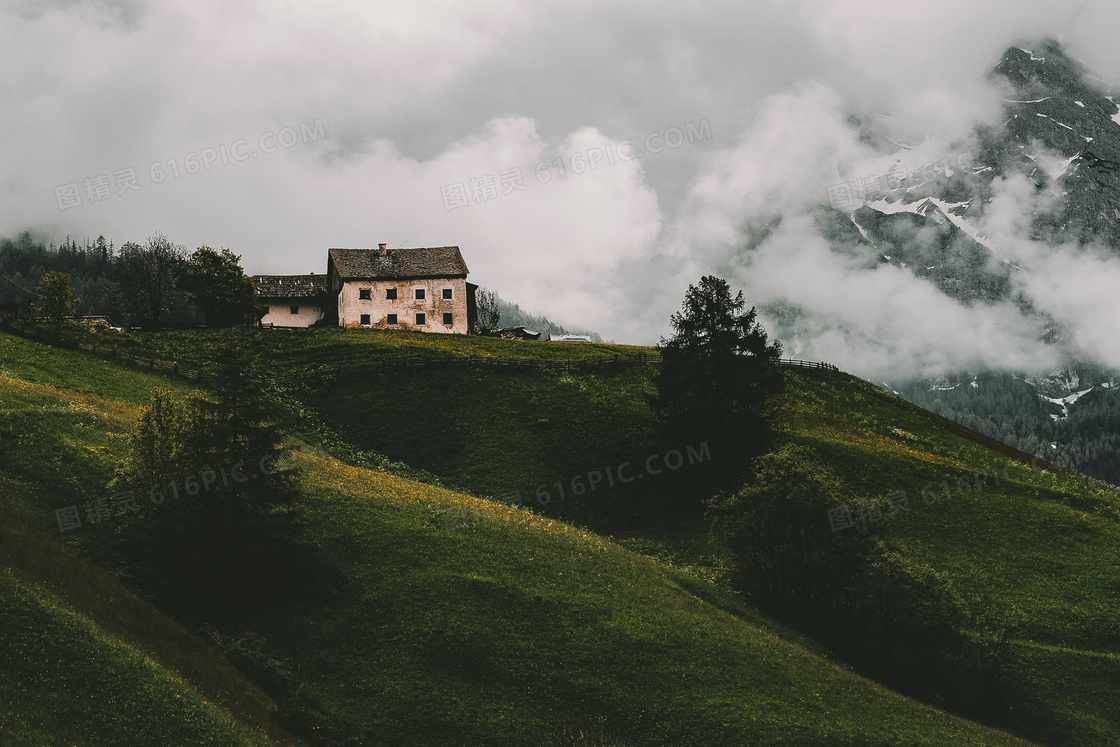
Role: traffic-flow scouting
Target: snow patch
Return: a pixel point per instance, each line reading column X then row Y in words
column 1065, row 402
column 862, row 232
column 1080, row 104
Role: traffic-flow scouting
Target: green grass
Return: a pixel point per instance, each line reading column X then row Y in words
column 493, row 432
column 84, row 661
column 1042, row 548
column 65, row 682
column 505, row 627
column 285, row 351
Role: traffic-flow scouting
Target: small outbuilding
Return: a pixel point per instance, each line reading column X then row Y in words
column 291, row 300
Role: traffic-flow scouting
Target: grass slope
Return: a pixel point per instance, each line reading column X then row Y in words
column 82, row 660
column 1040, row 549
column 458, row 620
column 463, row 621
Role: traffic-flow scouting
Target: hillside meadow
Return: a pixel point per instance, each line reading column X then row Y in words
column 452, row 618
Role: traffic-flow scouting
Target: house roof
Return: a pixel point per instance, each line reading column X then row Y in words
column 371, row 264
column 290, row 286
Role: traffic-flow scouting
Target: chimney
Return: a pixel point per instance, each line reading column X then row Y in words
column 381, row 250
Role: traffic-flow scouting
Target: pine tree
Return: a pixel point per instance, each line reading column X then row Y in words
column 718, row 380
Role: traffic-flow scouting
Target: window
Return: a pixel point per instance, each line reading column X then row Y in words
column 447, row 320
column 447, row 294
column 419, row 294
column 295, row 309
column 421, row 319
column 365, row 318
column 391, row 318
column 363, row 294
column 391, row 294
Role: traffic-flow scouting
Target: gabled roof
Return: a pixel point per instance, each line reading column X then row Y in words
column 375, row 264
column 290, row 286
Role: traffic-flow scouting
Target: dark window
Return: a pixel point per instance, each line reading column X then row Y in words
column 363, row 294
column 391, row 294
column 365, row 318
column 391, row 318
column 447, row 320
column 419, row 294
column 295, row 309
column 447, row 294
column 421, row 319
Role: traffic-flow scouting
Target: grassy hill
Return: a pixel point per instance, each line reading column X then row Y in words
column 456, row 619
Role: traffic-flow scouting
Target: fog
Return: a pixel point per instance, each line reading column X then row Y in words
column 297, row 126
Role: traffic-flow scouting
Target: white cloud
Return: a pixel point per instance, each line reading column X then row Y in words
column 415, row 96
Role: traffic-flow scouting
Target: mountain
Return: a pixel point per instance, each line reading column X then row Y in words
column 1061, row 129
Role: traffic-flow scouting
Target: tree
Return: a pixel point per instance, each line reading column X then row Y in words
column 216, row 283
column 56, row 300
column 217, row 530
column 784, row 553
column 488, row 313
column 150, row 272
column 718, row 380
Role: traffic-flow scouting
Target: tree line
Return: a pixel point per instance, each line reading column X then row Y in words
column 137, row 283
column 1009, row 409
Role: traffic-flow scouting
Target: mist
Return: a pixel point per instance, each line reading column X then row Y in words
column 282, row 129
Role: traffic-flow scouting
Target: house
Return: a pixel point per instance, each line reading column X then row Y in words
column 291, row 300
column 420, row 289
column 518, row 333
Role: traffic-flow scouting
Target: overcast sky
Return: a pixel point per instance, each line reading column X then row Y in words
column 279, row 129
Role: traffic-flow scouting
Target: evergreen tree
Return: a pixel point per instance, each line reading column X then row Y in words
column 718, row 380
column 217, row 531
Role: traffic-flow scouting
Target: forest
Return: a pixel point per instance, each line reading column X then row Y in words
column 1083, row 436
column 97, row 277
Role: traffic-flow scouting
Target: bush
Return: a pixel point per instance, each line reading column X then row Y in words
column 783, row 552
column 216, row 528
column 897, row 620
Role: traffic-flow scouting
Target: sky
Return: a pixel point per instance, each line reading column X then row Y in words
column 590, row 159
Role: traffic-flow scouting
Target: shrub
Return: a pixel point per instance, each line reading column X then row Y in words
column 897, row 620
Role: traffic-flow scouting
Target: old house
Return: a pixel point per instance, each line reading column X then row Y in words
column 291, row 300
column 422, row 289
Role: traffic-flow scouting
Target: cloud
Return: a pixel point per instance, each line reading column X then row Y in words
column 414, row 97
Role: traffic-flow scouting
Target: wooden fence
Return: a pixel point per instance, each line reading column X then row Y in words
column 806, row 364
